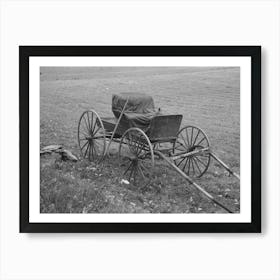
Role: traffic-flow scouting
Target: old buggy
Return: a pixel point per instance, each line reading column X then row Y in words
column 143, row 133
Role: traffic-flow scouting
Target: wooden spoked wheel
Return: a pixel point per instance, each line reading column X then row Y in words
column 192, row 139
column 91, row 136
column 136, row 156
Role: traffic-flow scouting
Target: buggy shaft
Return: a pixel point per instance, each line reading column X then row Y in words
column 115, row 129
column 186, row 154
column 208, row 195
column 224, row 165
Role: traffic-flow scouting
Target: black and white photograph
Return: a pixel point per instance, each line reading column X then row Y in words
column 139, row 139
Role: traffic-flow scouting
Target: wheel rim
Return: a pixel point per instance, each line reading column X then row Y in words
column 136, row 156
column 91, row 136
column 190, row 139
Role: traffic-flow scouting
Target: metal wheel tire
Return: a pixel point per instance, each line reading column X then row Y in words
column 189, row 139
column 91, row 136
column 136, row 155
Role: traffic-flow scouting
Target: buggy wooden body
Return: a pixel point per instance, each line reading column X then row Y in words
column 186, row 149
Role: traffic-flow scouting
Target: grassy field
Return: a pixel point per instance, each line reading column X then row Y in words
column 207, row 97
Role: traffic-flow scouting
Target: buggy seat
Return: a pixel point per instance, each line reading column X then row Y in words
column 139, row 110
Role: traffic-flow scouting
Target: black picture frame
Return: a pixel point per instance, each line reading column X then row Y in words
column 25, row 52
